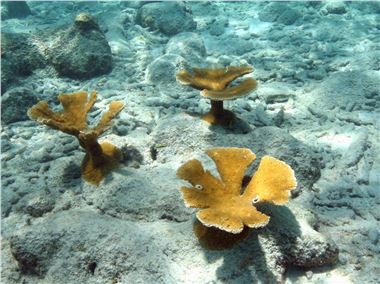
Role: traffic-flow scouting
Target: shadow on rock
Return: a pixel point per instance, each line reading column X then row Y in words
column 266, row 253
column 252, row 260
column 239, row 127
column 71, row 174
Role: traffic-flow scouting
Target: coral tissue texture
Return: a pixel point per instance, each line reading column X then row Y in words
column 223, row 206
column 212, row 79
column 240, row 90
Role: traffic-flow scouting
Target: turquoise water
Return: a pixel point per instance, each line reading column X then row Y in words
column 112, row 111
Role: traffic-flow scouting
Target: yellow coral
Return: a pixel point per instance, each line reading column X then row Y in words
column 214, row 85
column 244, row 88
column 100, row 158
column 72, row 119
column 222, row 203
column 212, row 79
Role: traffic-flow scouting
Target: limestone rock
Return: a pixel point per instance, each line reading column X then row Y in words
column 94, row 247
column 279, row 12
column 14, row 9
column 275, row 92
column 169, row 18
column 142, row 196
column 164, row 68
column 355, row 150
column 190, row 136
column 81, row 51
column 21, row 54
column 361, row 87
column 336, row 7
column 290, row 232
column 188, row 45
column 217, row 27
column 15, row 103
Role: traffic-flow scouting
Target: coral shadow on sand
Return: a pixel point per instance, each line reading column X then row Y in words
column 248, row 261
column 266, row 253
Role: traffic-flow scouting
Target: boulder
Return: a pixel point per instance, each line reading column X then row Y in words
column 14, row 9
column 218, row 26
column 337, row 7
column 164, row 68
column 169, row 18
column 188, row 45
column 280, row 13
column 21, row 54
column 15, row 103
column 96, row 248
column 81, row 51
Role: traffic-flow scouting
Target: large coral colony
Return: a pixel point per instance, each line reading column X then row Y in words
column 224, row 206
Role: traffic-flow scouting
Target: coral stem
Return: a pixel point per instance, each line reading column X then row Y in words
column 89, row 142
column 217, row 108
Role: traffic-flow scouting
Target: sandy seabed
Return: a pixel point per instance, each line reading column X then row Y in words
column 319, row 82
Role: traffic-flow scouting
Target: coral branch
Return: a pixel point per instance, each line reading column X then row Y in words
column 212, row 79
column 272, row 182
column 104, row 123
column 244, row 88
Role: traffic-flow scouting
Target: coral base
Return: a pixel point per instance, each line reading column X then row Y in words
column 94, row 168
column 225, row 118
column 214, row 239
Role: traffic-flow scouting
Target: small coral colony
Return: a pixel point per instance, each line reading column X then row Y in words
column 227, row 206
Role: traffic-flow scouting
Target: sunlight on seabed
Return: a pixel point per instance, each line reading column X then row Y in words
column 336, row 141
column 339, row 279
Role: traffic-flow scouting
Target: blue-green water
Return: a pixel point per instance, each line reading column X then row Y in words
column 103, row 116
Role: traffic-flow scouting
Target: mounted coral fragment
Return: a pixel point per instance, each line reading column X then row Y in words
column 222, row 204
column 214, row 84
column 100, row 158
column 215, row 239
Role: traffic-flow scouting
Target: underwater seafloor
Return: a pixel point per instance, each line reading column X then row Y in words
column 316, row 107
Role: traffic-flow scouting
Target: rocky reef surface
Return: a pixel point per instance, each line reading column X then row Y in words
column 317, row 107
